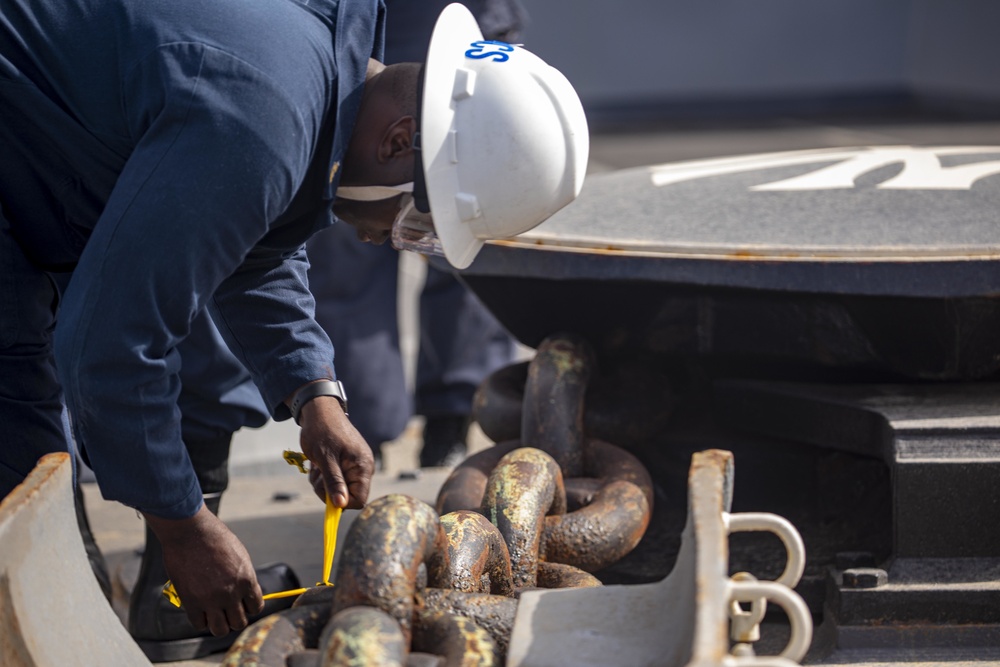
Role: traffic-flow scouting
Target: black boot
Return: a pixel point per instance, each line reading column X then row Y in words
column 94, row 555
column 444, row 441
column 163, row 631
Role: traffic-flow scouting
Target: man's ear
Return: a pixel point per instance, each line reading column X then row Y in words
column 397, row 141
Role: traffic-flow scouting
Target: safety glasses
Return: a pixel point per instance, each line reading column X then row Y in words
column 412, row 229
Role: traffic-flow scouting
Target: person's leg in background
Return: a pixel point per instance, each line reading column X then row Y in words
column 217, row 398
column 460, row 344
column 97, row 562
column 30, row 396
column 355, row 287
column 31, row 405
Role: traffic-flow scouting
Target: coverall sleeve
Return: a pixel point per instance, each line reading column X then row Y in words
column 266, row 313
column 220, row 151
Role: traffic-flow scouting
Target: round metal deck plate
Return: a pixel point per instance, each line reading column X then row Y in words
column 895, row 220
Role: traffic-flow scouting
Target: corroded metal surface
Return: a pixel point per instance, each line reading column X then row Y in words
column 457, row 639
column 315, row 595
column 270, row 641
column 466, row 485
column 552, row 413
column 449, row 583
column 559, row 575
column 611, row 525
column 680, row 621
column 611, row 493
column 52, row 610
column 476, row 559
column 613, row 505
column 387, row 543
column 363, row 637
column 628, row 403
column 525, row 486
column 493, row 613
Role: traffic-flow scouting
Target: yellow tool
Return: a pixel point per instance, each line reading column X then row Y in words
column 297, row 459
column 331, row 521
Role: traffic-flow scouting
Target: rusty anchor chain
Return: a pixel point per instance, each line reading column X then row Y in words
column 271, row 639
column 525, row 485
column 397, row 552
column 628, row 405
column 362, row 636
column 476, row 559
column 413, row 581
column 369, row 637
column 611, row 495
column 386, row 547
column 493, row 613
column 438, row 585
column 552, row 412
column 459, row 640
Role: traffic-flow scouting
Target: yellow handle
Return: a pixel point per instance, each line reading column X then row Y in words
column 297, row 459
column 171, row 593
column 331, row 521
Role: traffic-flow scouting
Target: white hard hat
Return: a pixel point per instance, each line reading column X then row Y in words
column 503, row 139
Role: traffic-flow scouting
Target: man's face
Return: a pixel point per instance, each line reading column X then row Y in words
column 372, row 220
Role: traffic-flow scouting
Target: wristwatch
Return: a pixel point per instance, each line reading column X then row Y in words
column 307, row 393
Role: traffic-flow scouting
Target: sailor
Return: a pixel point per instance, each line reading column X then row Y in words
column 175, row 156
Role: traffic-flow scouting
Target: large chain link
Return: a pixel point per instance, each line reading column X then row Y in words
column 544, row 511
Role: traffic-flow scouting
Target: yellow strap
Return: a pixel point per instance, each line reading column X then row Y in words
column 331, row 522
column 171, row 593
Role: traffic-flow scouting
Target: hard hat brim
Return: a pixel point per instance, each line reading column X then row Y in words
column 455, row 30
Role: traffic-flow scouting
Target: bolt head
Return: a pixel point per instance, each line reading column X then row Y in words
column 865, row 577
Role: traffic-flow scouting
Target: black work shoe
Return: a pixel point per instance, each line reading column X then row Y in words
column 445, row 441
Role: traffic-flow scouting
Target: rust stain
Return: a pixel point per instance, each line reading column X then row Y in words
column 22, row 494
column 772, row 254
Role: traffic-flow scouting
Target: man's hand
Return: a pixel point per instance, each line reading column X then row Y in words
column 211, row 570
column 341, row 461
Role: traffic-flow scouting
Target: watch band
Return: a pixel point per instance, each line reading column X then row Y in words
column 307, row 393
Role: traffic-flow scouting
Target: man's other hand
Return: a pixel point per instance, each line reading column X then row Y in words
column 211, row 570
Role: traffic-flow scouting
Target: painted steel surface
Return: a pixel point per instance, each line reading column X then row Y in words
column 682, row 620
column 52, row 611
column 880, row 220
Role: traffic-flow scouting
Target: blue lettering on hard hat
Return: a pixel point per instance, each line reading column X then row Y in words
column 479, row 50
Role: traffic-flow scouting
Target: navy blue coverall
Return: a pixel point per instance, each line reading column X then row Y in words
column 175, row 154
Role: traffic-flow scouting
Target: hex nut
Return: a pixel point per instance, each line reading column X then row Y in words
column 865, row 577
